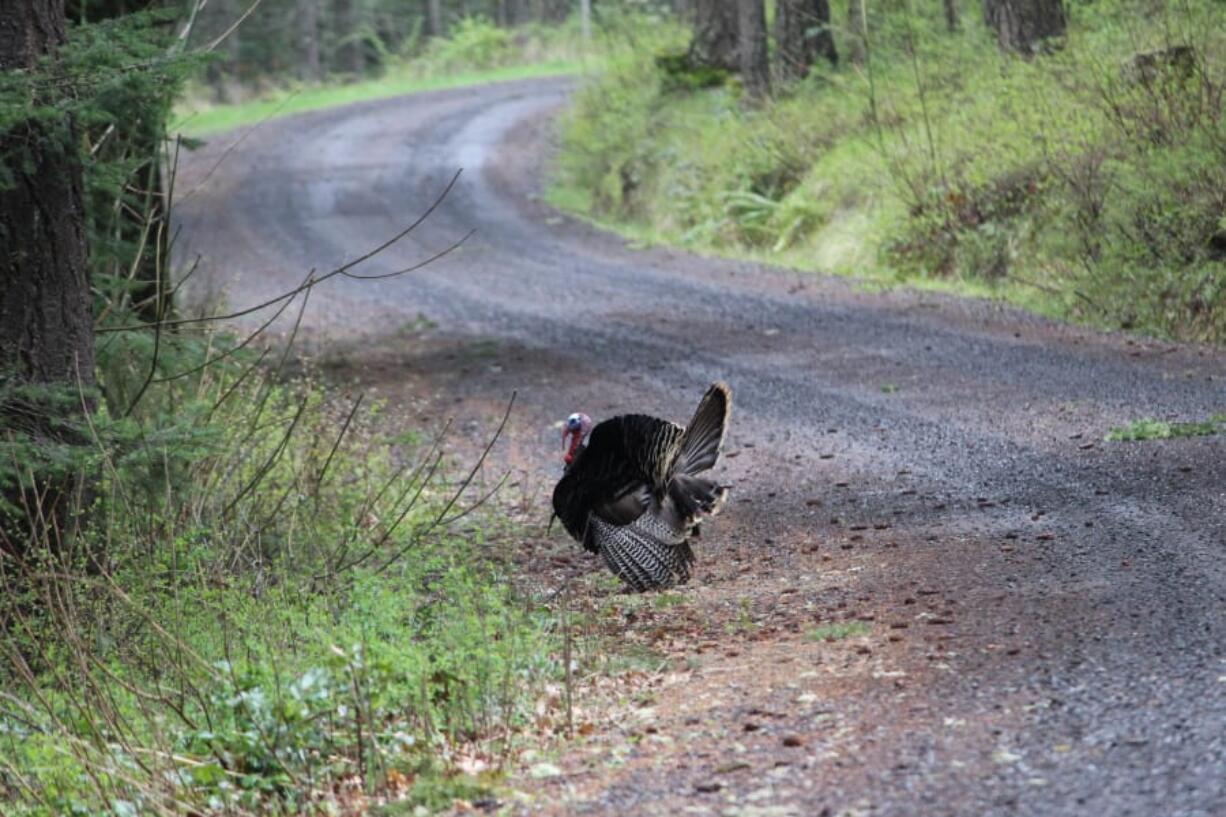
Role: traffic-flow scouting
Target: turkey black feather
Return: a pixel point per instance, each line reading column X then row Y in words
column 633, row 493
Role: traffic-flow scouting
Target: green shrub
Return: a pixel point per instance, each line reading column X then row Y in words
column 1087, row 182
column 473, row 43
column 281, row 611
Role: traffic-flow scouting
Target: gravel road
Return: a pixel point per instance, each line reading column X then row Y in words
column 1040, row 615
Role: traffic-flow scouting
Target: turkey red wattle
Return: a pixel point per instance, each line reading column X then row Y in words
column 574, row 430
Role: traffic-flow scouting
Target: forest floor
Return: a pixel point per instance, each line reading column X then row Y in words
column 937, row 589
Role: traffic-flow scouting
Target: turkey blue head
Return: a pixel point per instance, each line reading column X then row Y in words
column 574, row 431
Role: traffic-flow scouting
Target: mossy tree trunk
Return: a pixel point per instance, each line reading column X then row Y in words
column 755, row 68
column 310, row 68
column 46, row 327
column 714, row 43
column 857, row 31
column 802, row 36
column 1023, row 25
column 950, row 7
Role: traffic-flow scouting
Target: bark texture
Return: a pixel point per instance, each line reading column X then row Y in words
column 715, row 43
column 46, row 329
column 1022, row 25
column 950, row 8
column 802, row 37
column 755, row 69
column 857, row 32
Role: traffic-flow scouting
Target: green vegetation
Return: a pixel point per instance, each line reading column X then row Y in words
column 273, row 608
column 1151, row 429
column 1086, row 182
column 837, row 631
column 268, row 596
column 475, row 51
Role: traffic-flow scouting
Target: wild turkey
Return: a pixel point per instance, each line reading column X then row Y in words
column 633, row 494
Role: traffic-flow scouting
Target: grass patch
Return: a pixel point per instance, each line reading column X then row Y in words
column 838, row 630
column 1151, row 429
column 292, row 610
column 203, row 120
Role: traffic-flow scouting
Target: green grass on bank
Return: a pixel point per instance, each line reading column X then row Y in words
column 1086, row 183
column 295, row 607
column 475, row 51
column 204, row 120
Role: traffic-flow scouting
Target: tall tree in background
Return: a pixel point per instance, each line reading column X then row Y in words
column 434, row 18
column 1022, row 25
column 46, row 329
column 802, row 36
column 310, row 68
column 755, row 69
column 550, row 11
column 857, row 26
column 350, row 56
column 715, row 43
column 950, row 7
column 223, row 71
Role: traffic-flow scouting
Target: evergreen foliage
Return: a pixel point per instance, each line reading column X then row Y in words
column 272, row 605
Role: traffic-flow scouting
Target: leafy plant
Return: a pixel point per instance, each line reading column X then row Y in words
column 837, row 631
column 1151, row 429
column 1086, row 182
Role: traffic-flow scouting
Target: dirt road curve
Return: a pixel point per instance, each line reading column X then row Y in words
column 1036, row 619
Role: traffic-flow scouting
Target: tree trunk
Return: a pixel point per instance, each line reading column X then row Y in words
column 223, row 70
column 714, row 43
column 755, row 70
column 46, row 329
column 857, row 27
column 950, row 7
column 350, row 57
column 307, row 20
column 802, row 36
column 434, row 18
column 1022, row 25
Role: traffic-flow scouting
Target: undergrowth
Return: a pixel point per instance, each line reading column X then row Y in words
column 1086, row 183
column 279, row 603
column 474, row 51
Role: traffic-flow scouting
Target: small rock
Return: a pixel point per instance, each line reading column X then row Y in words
column 543, row 770
column 793, row 741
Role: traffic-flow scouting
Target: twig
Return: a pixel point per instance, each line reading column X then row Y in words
column 344, row 268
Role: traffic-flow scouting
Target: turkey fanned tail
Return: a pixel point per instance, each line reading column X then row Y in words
column 704, row 435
